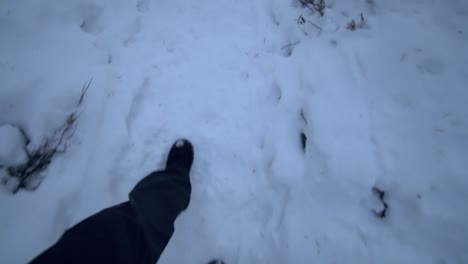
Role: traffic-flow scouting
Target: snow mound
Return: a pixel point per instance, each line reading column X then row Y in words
column 12, row 146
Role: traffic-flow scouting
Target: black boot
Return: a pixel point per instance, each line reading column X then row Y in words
column 180, row 156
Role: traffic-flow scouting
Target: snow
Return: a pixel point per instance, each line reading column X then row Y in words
column 12, row 146
column 180, row 143
column 382, row 106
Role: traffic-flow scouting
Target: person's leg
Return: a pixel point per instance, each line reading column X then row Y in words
column 136, row 231
column 158, row 200
column 110, row 236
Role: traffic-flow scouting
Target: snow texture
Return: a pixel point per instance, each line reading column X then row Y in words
column 294, row 123
column 12, row 146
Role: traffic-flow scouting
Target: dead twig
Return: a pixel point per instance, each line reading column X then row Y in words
column 84, row 91
column 290, row 45
column 319, row 28
column 40, row 157
column 303, row 117
column 314, row 5
column 301, row 21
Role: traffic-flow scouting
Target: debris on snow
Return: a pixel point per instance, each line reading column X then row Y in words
column 314, row 5
column 26, row 174
column 382, row 213
column 353, row 25
column 303, row 141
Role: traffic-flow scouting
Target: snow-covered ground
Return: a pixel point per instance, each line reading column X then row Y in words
column 383, row 106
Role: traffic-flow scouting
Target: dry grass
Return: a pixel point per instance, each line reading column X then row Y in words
column 40, row 157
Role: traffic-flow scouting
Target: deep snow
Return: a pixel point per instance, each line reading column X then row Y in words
column 384, row 106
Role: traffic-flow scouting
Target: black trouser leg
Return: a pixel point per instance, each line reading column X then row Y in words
column 136, row 231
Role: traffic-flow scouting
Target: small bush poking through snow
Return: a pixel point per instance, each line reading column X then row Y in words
column 26, row 175
column 314, row 5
